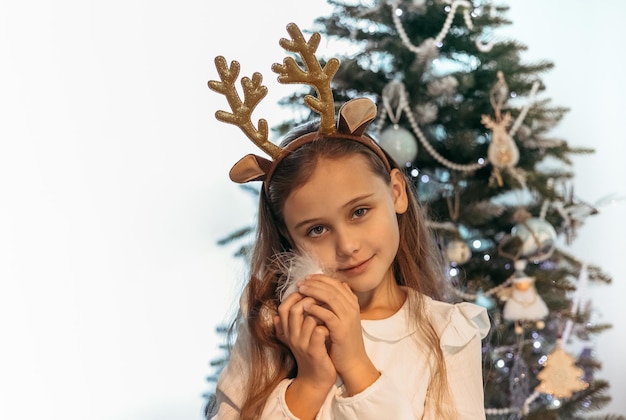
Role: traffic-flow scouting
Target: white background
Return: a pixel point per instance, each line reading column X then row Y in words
column 114, row 189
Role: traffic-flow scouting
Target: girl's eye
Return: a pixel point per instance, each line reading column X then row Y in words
column 360, row 212
column 316, row 231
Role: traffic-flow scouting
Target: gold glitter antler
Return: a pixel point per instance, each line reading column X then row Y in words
column 313, row 74
column 241, row 113
column 354, row 116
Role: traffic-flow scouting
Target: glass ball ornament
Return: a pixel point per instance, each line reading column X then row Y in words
column 538, row 238
column 399, row 143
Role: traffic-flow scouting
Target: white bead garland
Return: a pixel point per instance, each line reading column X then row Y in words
column 401, row 32
column 509, row 410
column 448, row 23
column 396, row 12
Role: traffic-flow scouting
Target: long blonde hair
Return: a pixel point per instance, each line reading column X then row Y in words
column 417, row 265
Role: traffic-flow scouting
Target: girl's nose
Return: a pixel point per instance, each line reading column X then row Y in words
column 347, row 243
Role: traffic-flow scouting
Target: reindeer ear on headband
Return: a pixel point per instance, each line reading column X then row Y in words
column 250, row 168
column 355, row 115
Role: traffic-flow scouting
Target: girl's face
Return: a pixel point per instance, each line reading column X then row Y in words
column 345, row 215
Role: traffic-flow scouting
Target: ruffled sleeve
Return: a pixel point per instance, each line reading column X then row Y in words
column 464, row 321
column 461, row 328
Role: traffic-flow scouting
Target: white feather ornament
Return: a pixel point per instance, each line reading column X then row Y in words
column 292, row 267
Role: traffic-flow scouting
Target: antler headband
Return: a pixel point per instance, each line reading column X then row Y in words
column 354, row 116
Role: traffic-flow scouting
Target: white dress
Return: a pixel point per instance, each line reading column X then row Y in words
column 400, row 355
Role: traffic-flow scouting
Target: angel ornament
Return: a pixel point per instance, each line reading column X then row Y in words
column 502, row 152
column 524, row 303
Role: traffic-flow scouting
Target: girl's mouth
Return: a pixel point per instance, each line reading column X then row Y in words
column 357, row 268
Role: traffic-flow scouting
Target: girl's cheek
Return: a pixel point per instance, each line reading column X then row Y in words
column 324, row 256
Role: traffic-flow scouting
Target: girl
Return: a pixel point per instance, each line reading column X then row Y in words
column 369, row 337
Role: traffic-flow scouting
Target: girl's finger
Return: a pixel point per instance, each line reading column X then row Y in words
column 292, row 314
column 336, row 295
column 328, row 284
column 319, row 336
column 324, row 315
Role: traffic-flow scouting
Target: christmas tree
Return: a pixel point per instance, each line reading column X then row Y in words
column 470, row 121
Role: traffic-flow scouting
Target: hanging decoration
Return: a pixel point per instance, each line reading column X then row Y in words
column 524, row 303
column 573, row 211
column 502, row 152
column 560, row 377
column 537, row 235
column 399, row 143
column 397, row 140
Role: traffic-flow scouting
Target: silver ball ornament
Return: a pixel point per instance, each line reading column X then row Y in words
column 538, row 238
column 399, row 143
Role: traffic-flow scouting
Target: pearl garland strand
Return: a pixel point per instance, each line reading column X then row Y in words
column 448, row 23
column 396, row 12
column 395, row 15
column 525, row 407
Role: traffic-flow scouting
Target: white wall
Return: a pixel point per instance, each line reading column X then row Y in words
column 584, row 42
column 113, row 189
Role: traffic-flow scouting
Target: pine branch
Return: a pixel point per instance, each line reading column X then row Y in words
column 591, row 399
column 238, row 234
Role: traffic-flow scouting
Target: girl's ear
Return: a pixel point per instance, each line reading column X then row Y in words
column 398, row 189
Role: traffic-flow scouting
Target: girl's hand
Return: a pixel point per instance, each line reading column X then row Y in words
column 334, row 304
column 306, row 336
